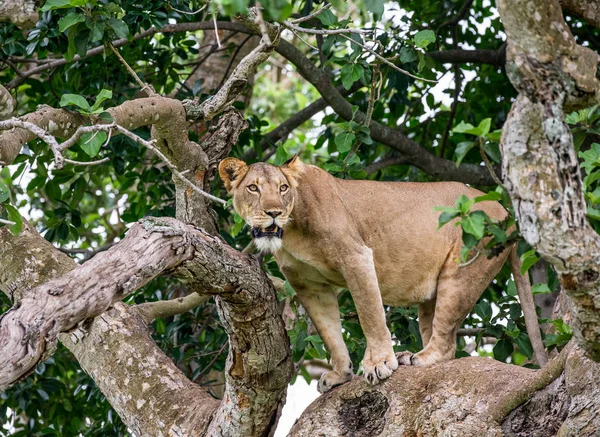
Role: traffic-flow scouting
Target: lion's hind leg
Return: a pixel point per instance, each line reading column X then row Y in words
column 459, row 288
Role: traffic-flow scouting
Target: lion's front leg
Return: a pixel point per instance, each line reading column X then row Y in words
column 359, row 272
column 320, row 302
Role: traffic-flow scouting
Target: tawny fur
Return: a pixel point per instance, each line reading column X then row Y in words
column 378, row 239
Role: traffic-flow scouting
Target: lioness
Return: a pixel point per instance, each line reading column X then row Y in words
column 378, row 239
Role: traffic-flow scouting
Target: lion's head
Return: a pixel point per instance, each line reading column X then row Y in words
column 263, row 195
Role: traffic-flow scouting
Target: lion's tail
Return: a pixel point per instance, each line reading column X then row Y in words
column 528, row 307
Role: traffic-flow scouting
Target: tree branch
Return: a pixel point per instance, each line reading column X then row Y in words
column 542, row 175
column 588, row 10
column 482, row 56
column 412, row 151
column 167, row 308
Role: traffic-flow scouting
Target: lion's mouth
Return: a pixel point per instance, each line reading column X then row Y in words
column 270, row 231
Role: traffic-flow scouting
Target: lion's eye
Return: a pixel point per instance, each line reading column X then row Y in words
column 252, row 188
column 284, row 188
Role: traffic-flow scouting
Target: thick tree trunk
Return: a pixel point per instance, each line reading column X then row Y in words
column 553, row 74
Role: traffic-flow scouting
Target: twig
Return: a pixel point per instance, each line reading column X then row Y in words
column 212, row 361
column 292, row 26
column 314, row 14
column 142, row 85
column 385, row 61
column 261, row 24
column 7, row 222
column 101, row 161
column 490, row 167
column 40, row 133
column 303, row 40
column 469, row 332
column 187, row 13
column 471, row 261
column 216, row 31
column 87, row 254
column 150, row 145
column 374, row 93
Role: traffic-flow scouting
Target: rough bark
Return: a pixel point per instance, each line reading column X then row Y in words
column 466, row 398
column 259, row 366
column 22, row 13
column 152, row 396
column 553, row 75
column 589, row 10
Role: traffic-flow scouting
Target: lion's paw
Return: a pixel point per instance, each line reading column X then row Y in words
column 378, row 371
column 331, row 379
column 410, row 359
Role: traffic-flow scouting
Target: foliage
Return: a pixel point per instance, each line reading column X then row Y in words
column 91, row 207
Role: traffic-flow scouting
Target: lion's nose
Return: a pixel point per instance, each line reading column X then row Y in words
column 273, row 214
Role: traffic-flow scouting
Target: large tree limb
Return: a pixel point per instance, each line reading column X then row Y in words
column 552, row 74
column 259, row 366
column 589, row 10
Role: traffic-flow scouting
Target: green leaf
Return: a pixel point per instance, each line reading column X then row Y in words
column 492, row 195
column 467, row 128
column 493, row 151
column 328, row 44
column 462, row 149
column 495, row 135
column 522, row 341
column 344, row 141
column 484, row 310
column 447, row 216
column 281, row 155
column 102, row 96
column 484, row 127
column 62, row 4
column 528, row 259
column 503, row 349
column 474, row 224
column 463, row 203
column 53, row 190
column 4, row 192
column 408, row 54
column 90, row 143
column 75, row 100
column 96, row 31
column 327, row 18
column 119, row 26
column 14, row 216
column 69, row 20
column 364, row 135
column 375, row 6
column 71, row 46
column 350, row 74
column 511, row 288
column 424, row 37
column 540, row 289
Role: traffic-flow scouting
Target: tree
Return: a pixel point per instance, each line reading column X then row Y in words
column 109, row 144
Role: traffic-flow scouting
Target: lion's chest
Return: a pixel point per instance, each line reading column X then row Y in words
column 307, row 261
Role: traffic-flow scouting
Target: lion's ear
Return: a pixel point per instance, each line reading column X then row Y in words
column 232, row 170
column 293, row 169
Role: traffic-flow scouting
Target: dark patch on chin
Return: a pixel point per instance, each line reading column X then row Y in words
column 271, row 231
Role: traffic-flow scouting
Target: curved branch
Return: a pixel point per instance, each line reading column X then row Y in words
column 412, row 151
